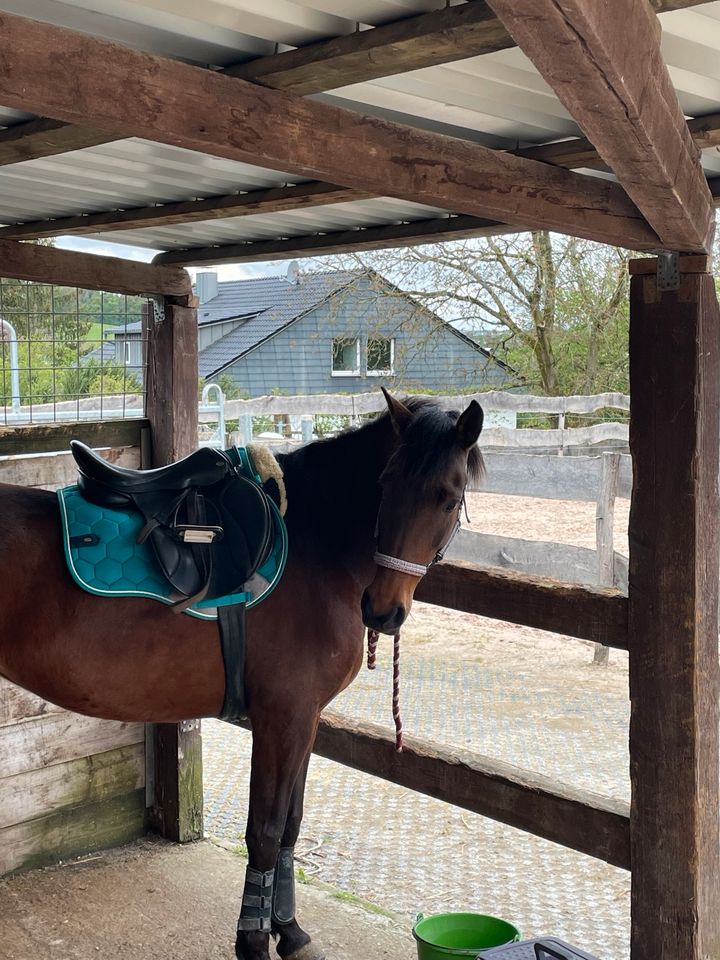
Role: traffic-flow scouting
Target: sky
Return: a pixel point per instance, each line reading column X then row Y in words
column 230, row 271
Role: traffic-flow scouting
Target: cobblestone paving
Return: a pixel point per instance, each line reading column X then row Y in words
column 410, row 853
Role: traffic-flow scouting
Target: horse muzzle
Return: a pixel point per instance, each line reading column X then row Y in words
column 385, row 620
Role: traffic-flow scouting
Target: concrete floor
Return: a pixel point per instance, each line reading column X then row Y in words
column 157, row 900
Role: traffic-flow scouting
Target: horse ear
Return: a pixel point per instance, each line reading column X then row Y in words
column 399, row 413
column 469, row 425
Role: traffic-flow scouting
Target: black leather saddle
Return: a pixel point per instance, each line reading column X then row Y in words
column 209, row 526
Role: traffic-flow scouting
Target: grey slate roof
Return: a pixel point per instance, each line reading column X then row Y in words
column 272, row 304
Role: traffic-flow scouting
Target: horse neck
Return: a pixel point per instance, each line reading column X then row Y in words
column 334, row 496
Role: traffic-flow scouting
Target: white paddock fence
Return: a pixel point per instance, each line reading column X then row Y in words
column 542, row 463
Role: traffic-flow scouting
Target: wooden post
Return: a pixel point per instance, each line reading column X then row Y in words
column 673, row 617
column 604, row 530
column 175, row 753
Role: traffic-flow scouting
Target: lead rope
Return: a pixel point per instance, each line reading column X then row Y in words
column 372, row 642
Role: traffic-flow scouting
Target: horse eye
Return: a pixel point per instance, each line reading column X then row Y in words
column 449, row 507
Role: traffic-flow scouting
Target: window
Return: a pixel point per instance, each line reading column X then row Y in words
column 346, row 357
column 380, row 357
column 128, row 355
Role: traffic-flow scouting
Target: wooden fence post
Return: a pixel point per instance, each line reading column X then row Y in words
column 673, row 619
column 604, row 534
column 174, row 750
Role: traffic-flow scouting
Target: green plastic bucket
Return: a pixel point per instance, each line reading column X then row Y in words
column 447, row 935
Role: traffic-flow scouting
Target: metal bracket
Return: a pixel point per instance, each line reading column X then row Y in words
column 187, row 726
column 157, row 306
column 668, row 270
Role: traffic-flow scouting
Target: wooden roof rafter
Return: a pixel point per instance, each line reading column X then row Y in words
column 130, row 93
column 442, row 36
column 575, row 153
column 413, row 233
column 605, row 64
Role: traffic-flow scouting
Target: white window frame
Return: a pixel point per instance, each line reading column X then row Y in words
column 345, row 373
column 127, row 353
column 381, row 373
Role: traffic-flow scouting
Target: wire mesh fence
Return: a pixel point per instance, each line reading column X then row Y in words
column 69, row 354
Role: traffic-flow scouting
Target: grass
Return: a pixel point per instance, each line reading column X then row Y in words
column 301, row 876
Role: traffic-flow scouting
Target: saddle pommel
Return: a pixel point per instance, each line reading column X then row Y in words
column 200, row 469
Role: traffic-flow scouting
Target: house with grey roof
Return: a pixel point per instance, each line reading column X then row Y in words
column 332, row 332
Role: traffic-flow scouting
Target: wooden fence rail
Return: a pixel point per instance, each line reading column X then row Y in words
column 579, row 819
column 358, row 404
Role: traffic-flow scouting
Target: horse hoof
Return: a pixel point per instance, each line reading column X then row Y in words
column 309, row 952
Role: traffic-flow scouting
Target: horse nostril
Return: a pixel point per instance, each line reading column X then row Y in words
column 366, row 609
column 398, row 617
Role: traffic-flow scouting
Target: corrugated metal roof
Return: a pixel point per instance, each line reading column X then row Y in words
column 498, row 99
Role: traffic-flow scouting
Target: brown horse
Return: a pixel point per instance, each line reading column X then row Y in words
column 401, row 477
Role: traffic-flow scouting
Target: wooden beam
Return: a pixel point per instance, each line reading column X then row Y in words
column 442, row 36
column 604, row 63
column 341, row 241
column 69, row 268
column 578, row 819
column 299, row 197
column 588, row 613
column 570, row 153
column 137, row 94
column 175, row 761
column 673, row 615
column 34, row 139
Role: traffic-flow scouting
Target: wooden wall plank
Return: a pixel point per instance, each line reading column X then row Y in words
column 588, row 613
column 575, row 818
column 60, row 737
column 54, row 437
column 72, row 832
column 605, row 64
column 18, row 704
column 673, row 615
column 102, row 776
column 55, row 470
column 136, row 94
column 70, row 268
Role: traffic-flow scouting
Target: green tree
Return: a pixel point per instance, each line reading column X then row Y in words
column 553, row 307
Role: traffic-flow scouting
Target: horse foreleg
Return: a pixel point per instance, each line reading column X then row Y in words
column 280, row 748
column 293, row 943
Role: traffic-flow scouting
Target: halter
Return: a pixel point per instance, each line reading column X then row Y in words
column 415, row 570
column 407, row 566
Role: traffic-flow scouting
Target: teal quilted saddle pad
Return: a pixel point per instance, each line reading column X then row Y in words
column 104, row 558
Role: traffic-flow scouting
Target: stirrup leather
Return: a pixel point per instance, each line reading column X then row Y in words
column 256, row 909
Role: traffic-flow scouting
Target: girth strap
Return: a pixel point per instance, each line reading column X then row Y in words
column 231, row 624
column 256, row 909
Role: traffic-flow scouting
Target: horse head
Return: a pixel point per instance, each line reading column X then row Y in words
column 423, row 490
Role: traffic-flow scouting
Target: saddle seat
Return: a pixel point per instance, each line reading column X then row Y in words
column 199, row 469
column 210, row 527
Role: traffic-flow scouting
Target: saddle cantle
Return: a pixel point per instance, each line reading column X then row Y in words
column 209, row 526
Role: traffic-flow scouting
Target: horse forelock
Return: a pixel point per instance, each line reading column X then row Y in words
column 429, row 443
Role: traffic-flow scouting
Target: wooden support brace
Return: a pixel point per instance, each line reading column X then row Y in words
column 172, row 378
column 673, row 619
